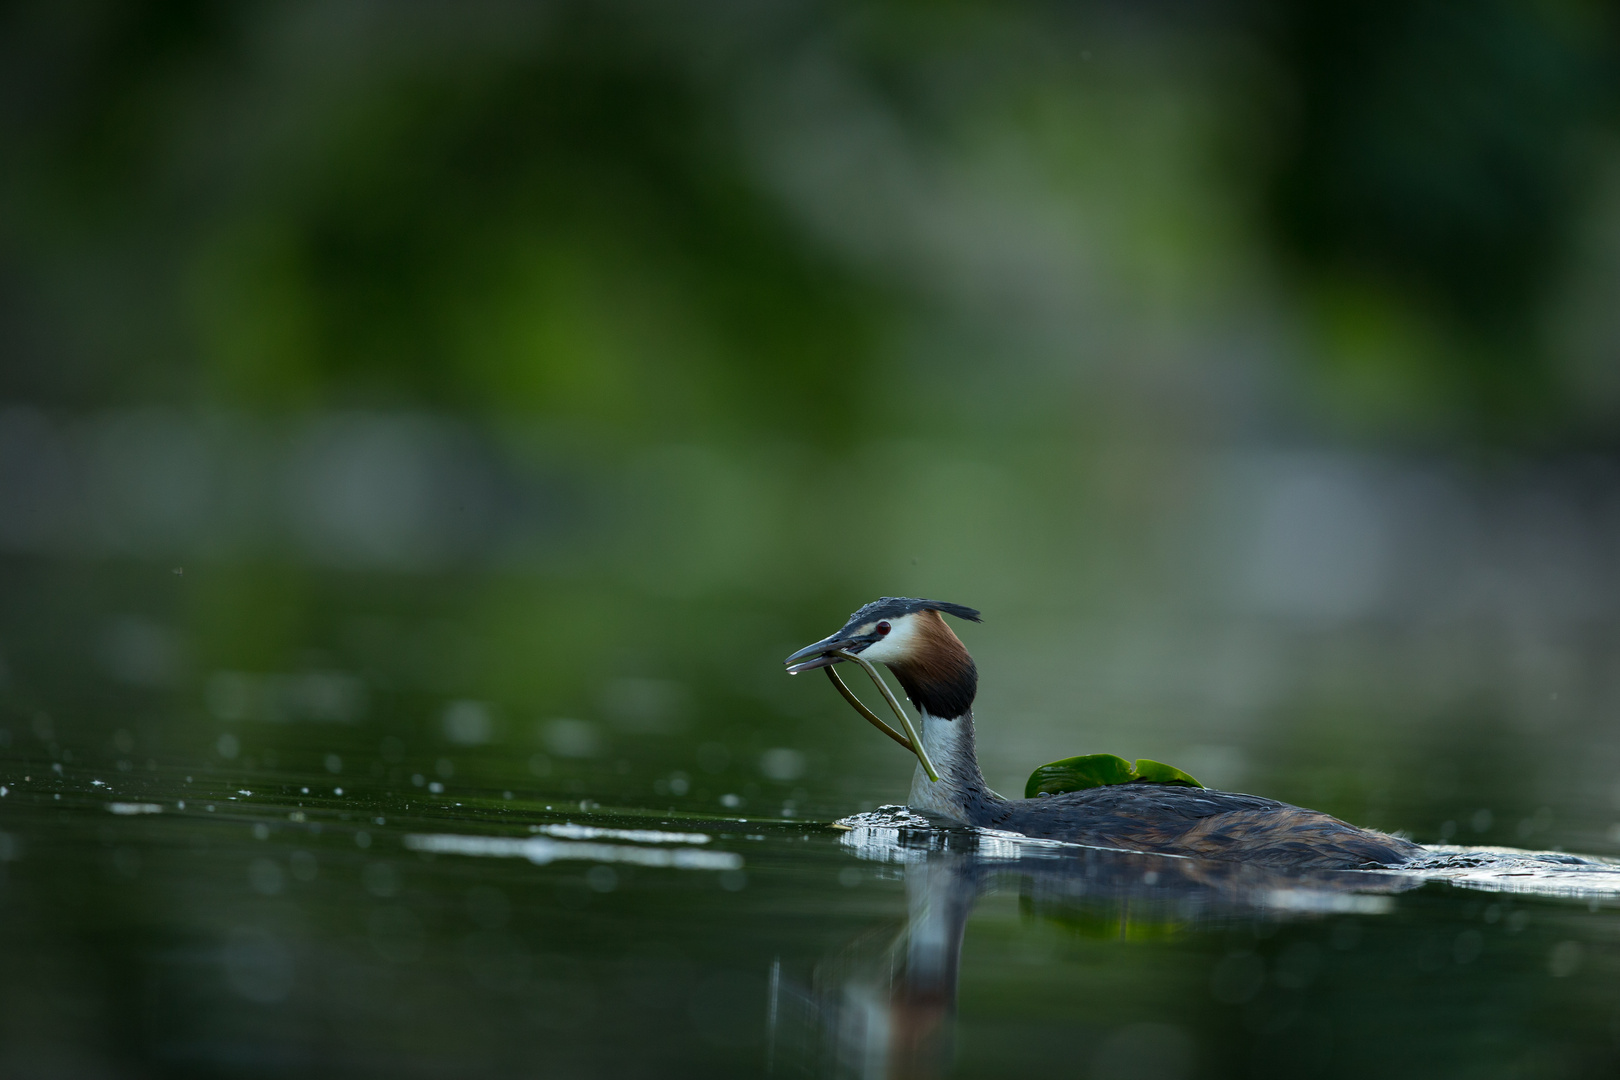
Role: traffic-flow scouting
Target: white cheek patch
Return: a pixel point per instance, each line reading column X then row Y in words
column 898, row 645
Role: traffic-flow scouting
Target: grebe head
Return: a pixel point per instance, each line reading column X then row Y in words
column 909, row 636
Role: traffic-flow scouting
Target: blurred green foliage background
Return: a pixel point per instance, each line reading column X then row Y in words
column 1252, row 365
column 662, row 224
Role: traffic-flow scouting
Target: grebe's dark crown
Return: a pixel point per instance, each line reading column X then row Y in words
column 892, row 607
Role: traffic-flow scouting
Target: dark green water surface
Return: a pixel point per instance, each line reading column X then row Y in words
column 156, row 924
column 322, row 864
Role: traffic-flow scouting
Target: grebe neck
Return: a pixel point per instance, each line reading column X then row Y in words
column 961, row 793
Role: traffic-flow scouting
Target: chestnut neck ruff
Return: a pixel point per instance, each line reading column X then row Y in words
column 939, row 677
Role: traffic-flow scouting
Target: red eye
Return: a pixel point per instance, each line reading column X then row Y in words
column 884, row 627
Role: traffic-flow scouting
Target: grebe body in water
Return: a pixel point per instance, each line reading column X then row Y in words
column 937, row 674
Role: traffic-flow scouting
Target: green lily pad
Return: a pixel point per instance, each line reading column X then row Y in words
column 1157, row 772
column 1100, row 770
column 1078, row 773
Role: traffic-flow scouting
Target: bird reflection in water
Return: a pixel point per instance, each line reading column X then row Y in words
column 884, row 1005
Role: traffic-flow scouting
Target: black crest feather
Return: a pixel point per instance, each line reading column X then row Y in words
column 892, row 607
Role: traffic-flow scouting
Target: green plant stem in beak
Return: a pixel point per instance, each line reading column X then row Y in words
column 860, row 707
column 905, row 721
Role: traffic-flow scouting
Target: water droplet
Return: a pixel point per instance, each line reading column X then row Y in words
column 1565, row 959
column 265, row 877
column 303, row 865
column 380, row 879
column 257, row 966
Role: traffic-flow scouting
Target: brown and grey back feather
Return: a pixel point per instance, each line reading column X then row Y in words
column 1203, row 823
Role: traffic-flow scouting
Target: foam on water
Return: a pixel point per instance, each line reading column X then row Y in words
column 541, row 851
column 570, row 831
column 900, row 835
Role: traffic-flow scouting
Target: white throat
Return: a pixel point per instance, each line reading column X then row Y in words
column 950, row 747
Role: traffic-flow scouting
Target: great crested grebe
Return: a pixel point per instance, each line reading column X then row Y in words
column 938, row 675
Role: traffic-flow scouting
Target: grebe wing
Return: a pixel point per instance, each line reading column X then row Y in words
column 1159, row 801
column 1205, row 823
